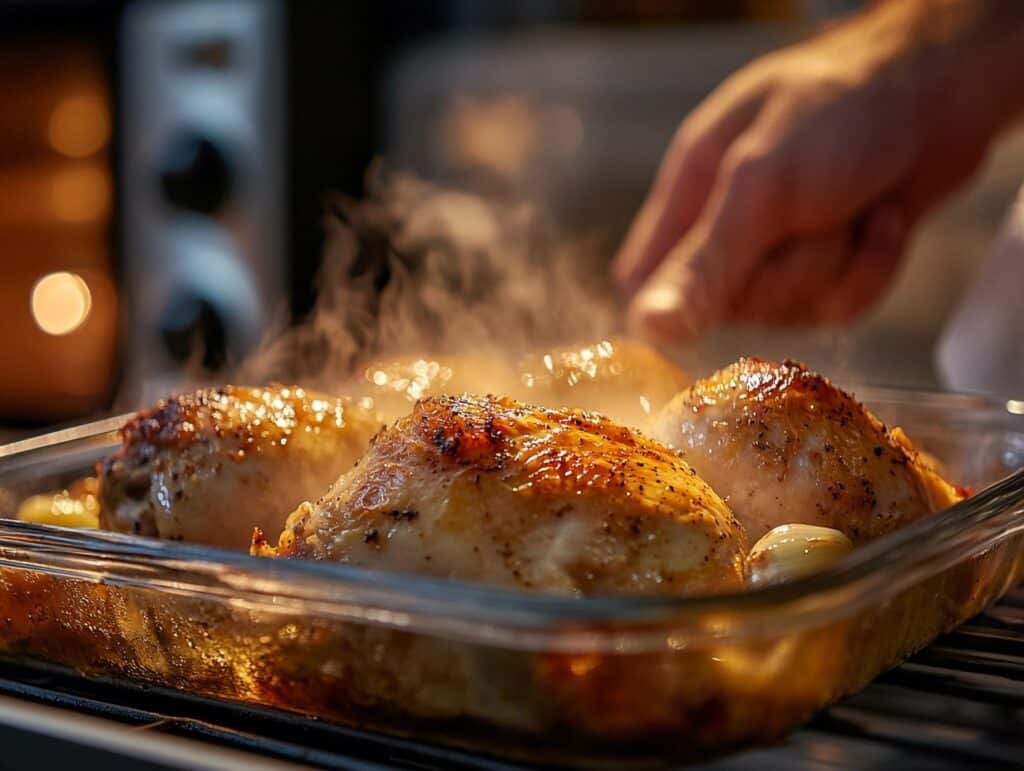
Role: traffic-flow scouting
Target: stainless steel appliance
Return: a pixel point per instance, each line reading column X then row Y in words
column 164, row 166
column 203, row 202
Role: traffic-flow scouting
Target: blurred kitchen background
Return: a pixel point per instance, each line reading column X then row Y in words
column 164, row 166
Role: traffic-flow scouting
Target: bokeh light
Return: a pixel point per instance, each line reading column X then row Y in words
column 79, row 125
column 61, row 302
column 80, row 194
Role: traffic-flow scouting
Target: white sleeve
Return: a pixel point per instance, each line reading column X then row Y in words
column 982, row 346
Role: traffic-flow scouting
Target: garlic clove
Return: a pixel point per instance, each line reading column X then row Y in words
column 791, row 551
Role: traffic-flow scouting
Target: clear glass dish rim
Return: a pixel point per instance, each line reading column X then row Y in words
column 476, row 613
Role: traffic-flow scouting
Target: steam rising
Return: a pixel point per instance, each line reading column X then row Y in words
column 417, row 269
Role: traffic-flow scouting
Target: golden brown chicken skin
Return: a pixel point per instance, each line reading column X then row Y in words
column 206, row 467
column 783, row 445
column 626, row 380
column 492, row 490
column 623, row 379
column 392, row 386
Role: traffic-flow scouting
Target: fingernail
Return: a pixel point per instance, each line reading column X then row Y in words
column 658, row 300
column 654, row 312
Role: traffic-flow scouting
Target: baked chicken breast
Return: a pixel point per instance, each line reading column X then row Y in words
column 492, row 490
column 206, row 467
column 782, row 445
column 623, row 379
column 391, row 387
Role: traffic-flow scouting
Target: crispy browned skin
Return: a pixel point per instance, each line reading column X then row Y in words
column 489, row 489
column 783, row 445
column 208, row 466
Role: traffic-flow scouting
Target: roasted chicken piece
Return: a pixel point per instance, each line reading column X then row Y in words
column 76, row 506
column 623, row 379
column 492, row 490
column 392, row 386
column 206, row 467
column 783, row 445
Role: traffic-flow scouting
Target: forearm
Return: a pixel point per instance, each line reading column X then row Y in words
column 970, row 54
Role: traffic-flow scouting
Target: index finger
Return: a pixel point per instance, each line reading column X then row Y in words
column 683, row 182
column 694, row 286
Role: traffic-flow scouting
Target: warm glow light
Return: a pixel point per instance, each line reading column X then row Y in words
column 79, row 125
column 80, row 194
column 504, row 134
column 496, row 134
column 60, row 303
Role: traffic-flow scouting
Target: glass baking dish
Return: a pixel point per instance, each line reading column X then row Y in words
column 600, row 681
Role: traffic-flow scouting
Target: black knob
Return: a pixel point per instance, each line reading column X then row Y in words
column 194, row 332
column 194, row 174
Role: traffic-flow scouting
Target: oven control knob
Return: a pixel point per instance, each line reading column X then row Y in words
column 193, row 332
column 194, row 174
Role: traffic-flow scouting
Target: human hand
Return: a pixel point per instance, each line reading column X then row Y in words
column 789, row 195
